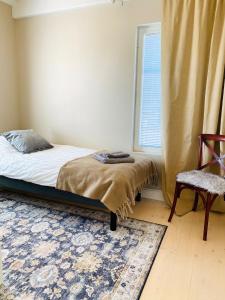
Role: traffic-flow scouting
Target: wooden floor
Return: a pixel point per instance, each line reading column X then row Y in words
column 186, row 267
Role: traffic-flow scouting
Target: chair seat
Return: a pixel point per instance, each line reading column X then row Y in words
column 210, row 182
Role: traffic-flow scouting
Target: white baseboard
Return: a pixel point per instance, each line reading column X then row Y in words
column 152, row 194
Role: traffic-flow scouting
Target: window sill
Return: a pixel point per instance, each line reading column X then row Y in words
column 148, row 152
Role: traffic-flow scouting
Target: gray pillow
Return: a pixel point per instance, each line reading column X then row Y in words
column 26, row 141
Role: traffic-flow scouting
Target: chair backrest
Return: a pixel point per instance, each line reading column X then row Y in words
column 216, row 159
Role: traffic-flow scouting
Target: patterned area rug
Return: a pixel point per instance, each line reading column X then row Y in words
column 56, row 251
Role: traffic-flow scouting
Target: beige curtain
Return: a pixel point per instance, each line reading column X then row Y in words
column 193, row 60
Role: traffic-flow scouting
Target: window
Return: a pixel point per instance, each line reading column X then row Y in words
column 147, row 135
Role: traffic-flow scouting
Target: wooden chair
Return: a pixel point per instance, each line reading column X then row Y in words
column 206, row 185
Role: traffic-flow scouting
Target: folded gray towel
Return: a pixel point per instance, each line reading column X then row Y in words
column 106, row 160
column 118, row 154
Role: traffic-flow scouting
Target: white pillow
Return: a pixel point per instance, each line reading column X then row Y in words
column 5, row 146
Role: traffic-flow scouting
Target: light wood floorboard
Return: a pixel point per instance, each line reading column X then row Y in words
column 186, row 267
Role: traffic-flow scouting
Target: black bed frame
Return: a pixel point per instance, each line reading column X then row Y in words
column 51, row 193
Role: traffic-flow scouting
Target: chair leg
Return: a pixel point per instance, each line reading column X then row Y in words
column 176, row 195
column 207, row 209
column 195, row 202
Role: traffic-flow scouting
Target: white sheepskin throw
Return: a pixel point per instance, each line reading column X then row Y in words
column 210, row 182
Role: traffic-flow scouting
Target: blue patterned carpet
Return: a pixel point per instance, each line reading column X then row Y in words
column 55, row 251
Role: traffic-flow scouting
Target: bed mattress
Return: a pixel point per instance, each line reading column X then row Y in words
column 40, row 167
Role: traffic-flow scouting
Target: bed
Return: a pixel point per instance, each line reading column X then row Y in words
column 37, row 173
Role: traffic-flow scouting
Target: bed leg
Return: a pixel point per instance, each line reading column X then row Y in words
column 113, row 221
column 138, row 197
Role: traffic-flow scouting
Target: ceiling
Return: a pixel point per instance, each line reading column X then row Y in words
column 10, row 2
column 28, row 8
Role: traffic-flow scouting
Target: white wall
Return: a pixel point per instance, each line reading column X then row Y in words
column 76, row 73
column 9, row 117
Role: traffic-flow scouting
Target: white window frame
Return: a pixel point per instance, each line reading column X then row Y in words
column 141, row 31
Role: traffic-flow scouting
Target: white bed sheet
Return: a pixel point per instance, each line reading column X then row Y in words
column 40, row 167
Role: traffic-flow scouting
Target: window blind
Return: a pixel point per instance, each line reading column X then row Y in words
column 150, row 110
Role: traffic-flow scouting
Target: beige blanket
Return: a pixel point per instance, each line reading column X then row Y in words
column 115, row 185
